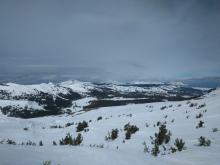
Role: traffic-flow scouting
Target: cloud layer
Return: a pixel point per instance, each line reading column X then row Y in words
column 109, row 40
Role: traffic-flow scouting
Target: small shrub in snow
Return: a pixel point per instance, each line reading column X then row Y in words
column 201, row 106
column 214, row 129
column 54, row 143
column 78, row 140
column 112, row 135
column 30, row 143
column 172, row 120
column 163, row 107
column 99, row 118
column 200, row 124
column 47, row 162
column 204, row 111
column 86, row 130
column 68, row 140
column 69, row 124
column 81, row 126
column 56, row 126
column 193, row 105
column 204, row 141
column 146, row 124
column 127, row 135
column 41, row 143
column 155, row 150
column 9, row 141
column 173, row 149
column 97, row 145
column 158, row 123
column 146, row 148
column 25, row 129
column 199, row 116
column 179, row 143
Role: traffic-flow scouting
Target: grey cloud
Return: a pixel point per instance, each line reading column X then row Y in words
column 108, row 40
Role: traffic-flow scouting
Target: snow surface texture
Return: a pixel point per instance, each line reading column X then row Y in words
column 116, row 152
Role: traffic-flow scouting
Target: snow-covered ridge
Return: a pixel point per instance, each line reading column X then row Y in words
column 85, row 87
column 57, row 98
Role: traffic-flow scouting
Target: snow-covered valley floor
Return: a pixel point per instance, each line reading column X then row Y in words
column 180, row 118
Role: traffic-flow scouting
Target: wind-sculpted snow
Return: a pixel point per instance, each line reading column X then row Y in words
column 54, row 99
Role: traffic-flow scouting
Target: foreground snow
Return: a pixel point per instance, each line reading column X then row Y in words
column 116, row 152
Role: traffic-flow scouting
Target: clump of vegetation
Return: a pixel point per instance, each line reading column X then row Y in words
column 173, row 149
column 147, row 125
column 200, row 124
column 214, row 129
column 201, row 106
column 155, row 150
column 163, row 107
column 179, row 143
column 47, row 162
column 78, row 140
column 41, row 143
column 69, row 124
column 81, row 126
column 9, row 141
column 68, row 140
column 56, row 126
column 30, row 143
column 25, row 129
column 99, row 118
column 204, row 141
column 127, row 135
column 193, row 105
column 97, row 145
column 112, row 135
column 54, row 143
column 162, row 137
column 130, row 129
column 199, row 116
column 146, row 148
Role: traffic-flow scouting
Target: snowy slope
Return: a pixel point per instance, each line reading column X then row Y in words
column 117, row 152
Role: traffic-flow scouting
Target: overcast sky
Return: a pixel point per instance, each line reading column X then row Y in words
column 48, row 40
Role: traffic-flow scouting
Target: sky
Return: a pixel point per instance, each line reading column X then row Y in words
column 108, row 40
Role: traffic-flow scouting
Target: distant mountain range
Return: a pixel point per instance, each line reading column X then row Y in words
column 70, row 97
